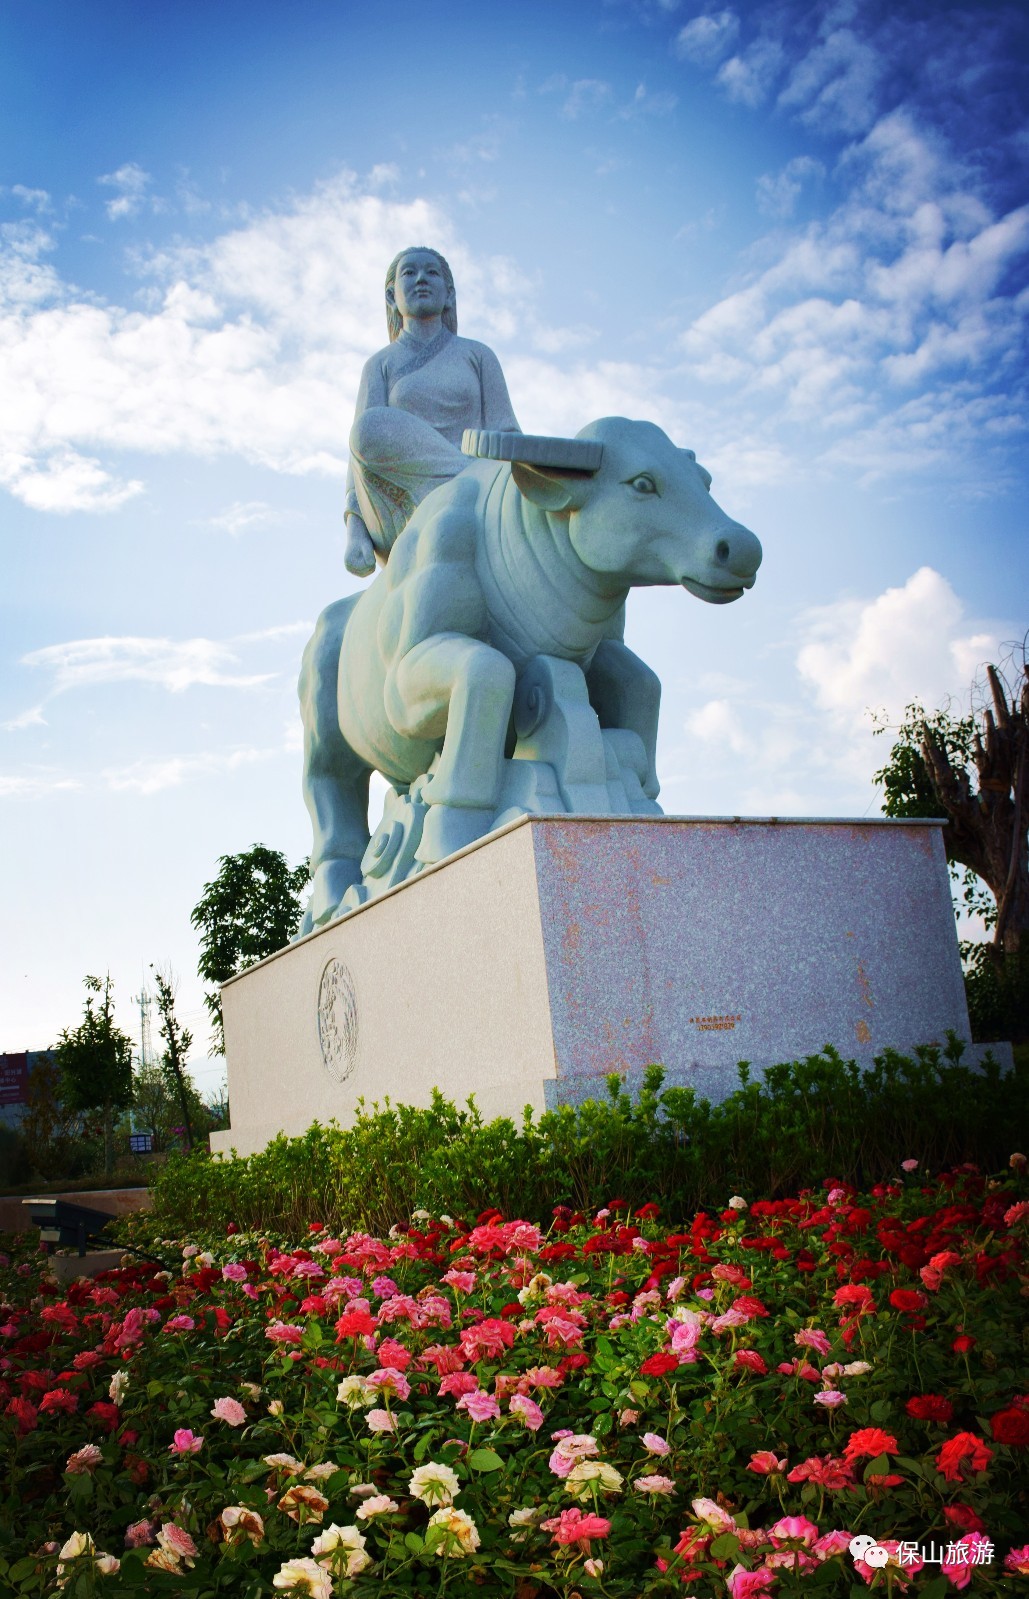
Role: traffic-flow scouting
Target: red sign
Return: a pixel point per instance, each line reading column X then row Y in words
column 14, row 1078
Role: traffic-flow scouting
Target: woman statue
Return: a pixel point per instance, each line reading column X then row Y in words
column 416, row 398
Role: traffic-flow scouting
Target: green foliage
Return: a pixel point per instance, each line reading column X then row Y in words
column 997, row 991
column 50, row 1134
column 250, row 910
column 95, row 1062
column 907, row 785
column 909, row 790
column 806, row 1119
column 177, row 1041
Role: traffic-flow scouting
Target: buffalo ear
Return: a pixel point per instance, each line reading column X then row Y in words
column 551, row 491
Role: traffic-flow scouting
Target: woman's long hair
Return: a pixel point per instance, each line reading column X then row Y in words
column 394, row 321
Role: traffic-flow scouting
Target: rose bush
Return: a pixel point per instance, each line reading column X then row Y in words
column 471, row 1408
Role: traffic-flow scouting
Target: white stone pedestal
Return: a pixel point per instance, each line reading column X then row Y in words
column 560, row 949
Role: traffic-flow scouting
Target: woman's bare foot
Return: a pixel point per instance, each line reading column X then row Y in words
column 360, row 552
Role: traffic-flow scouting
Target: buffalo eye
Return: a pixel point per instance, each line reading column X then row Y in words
column 643, row 483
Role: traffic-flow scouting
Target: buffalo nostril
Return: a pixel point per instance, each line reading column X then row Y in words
column 722, row 550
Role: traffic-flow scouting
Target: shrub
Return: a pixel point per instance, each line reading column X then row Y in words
column 668, row 1146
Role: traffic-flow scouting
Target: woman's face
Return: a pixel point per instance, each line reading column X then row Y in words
column 420, row 289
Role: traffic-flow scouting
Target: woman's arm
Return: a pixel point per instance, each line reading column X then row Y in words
column 371, row 391
column 497, row 410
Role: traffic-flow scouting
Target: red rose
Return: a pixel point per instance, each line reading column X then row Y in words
column 24, row 1413
column 869, row 1442
column 910, row 1299
column 59, row 1399
column 354, row 1324
column 930, row 1407
column 107, row 1415
column 752, row 1361
column 964, row 1518
column 963, row 1343
column 659, row 1365
column 963, row 1446
column 1007, row 1426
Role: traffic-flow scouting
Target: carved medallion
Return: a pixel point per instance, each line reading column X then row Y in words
column 337, row 1020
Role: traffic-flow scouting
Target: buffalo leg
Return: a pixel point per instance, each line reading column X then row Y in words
column 461, row 689
column 624, row 692
column 335, row 779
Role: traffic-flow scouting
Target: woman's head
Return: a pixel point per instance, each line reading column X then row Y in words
column 394, row 319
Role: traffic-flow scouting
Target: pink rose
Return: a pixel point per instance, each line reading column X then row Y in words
column 529, row 1411
column 794, row 1529
column 185, row 1443
column 813, row 1338
column 655, row 1444
column 229, row 1410
column 744, row 1584
column 480, row 1406
column 84, row 1461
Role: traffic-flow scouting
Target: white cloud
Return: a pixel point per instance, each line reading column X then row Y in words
column 36, row 199
column 706, row 39
column 242, row 515
column 132, row 183
column 33, row 717
column 645, row 103
column 748, row 78
column 907, row 643
column 778, row 192
column 153, row 775
column 836, row 84
column 921, row 292
column 173, row 665
column 717, row 721
column 36, row 785
column 253, row 345
column 585, row 94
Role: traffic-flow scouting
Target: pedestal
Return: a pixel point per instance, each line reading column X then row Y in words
column 561, row 949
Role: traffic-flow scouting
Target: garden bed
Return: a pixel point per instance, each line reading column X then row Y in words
column 610, row 1408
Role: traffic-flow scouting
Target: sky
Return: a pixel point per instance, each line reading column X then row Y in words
column 794, row 235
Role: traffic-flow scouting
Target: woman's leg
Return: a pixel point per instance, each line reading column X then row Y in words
column 397, row 460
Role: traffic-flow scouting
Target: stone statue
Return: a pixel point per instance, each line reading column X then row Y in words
column 483, row 671
column 416, row 398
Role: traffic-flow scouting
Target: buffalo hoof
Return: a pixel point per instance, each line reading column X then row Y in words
column 448, row 828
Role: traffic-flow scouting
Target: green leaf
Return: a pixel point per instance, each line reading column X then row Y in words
column 79, row 1487
column 724, row 1546
column 22, row 1568
column 414, row 1542
column 484, row 1460
column 876, row 1468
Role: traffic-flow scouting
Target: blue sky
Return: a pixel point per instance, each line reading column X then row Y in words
column 794, row 235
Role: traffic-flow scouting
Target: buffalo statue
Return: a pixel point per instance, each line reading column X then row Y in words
column 483, row 672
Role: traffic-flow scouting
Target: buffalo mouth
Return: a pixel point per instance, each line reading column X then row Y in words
column 720, row 595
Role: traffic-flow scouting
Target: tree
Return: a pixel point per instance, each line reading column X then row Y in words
column 973, row 771
column 50, row 1128
column 250, row 910
column 95, row 1061
column 177, row 1041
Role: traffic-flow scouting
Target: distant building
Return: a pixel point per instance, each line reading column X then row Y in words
column 14, row 1080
